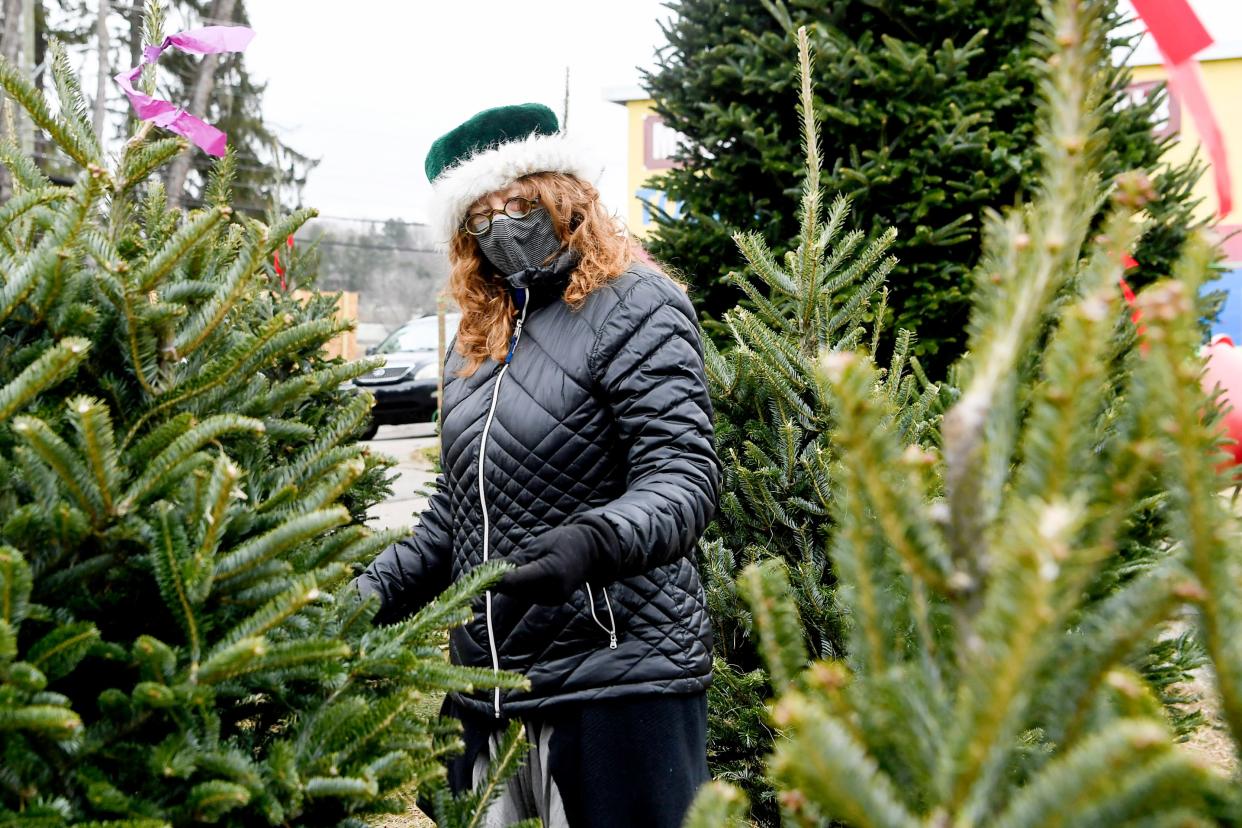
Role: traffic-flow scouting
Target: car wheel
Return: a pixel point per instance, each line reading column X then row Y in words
column 368, row 432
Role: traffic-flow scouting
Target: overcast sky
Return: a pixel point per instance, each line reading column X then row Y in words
column 367, row 85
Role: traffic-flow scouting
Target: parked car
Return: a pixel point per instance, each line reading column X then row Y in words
column 405, row 388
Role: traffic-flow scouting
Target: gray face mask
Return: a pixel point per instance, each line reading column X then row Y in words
column 516, row 244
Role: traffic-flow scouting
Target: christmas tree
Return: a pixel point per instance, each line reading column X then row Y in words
column 984, row 684
column 181, row 505
column 774, row 429
column 928, row 125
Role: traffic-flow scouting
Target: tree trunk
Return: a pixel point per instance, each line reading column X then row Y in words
column 10, row 48
column 135, row 33
column 30, row 59
column 105, row 70
column 10, row 44
column 204, row 83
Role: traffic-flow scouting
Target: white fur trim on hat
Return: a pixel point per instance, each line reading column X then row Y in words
column 498, row 166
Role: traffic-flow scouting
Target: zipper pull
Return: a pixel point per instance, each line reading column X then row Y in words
column 517, row 332
column 612, row 641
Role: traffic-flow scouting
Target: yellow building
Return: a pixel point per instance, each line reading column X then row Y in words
column 1221, row 67
column 650, row 148
column 1222, row 80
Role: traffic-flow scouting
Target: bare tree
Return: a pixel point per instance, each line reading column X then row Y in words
column 204, row 84
column 135, row 32
column 10, row 44
column 11, row 49
column 105, row 70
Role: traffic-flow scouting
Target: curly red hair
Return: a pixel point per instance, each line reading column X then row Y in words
column 487, row 308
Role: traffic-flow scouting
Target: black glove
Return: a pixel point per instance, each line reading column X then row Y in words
column 363, row 586
column 557, row 563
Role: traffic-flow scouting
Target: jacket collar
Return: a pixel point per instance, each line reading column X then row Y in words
column 541, row 279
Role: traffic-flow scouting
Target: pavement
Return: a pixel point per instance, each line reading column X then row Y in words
column 404, row 443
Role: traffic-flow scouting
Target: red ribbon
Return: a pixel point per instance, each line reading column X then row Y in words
column 1173, row 25
column 280, row 271
column 1128, row 262
column 1180, row 36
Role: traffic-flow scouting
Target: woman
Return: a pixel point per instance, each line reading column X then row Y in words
column 576, row 444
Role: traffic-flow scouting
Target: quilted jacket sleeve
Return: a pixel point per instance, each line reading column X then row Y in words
column 648, row 362
column 411, row 572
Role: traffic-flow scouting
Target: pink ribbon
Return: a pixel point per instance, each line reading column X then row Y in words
column 204, row 41
column 1179, row 36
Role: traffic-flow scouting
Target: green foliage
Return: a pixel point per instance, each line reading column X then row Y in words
column 181, row 504
column 929, row 125
column 468, row 809
column 986, row 681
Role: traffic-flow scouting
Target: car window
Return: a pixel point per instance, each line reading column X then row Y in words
column 419, row 335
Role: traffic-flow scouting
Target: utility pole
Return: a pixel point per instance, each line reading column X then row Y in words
column 440, row 345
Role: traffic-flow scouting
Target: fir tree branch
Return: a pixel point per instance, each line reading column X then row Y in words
column 820, row 761
column 15, row 585
column 159, row 470
column 288, row 534
column 201, row 325
column 1108, row 634
column 1010, row 639
column 717, row 805
column 22, row 203
column 62, row 460
column 74, row 114
column 873, row 463
column 140, row 161
column 1086, row 775
column 766, row 588
column 170, row 561
column 53, row 366
column 95, row 439
column 215, row 375
column 809, row 247
column 175, row 249
column 30, row 99
column 1033, row 254
column 213, row 519
column 1197, row 517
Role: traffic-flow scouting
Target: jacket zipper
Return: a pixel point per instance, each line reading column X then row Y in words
column 487, row 427
column 612, row 619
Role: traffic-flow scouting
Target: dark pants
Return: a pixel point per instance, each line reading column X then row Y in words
column 616, row 763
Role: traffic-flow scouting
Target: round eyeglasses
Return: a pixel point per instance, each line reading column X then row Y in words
column 518, row 207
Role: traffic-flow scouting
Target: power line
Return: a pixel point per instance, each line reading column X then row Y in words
column 395, row 248
column 373, row 221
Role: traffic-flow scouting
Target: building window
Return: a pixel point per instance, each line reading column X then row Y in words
column 660, row 143
column 1167, row 117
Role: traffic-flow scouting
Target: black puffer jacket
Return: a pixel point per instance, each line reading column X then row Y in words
column 601, row 412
